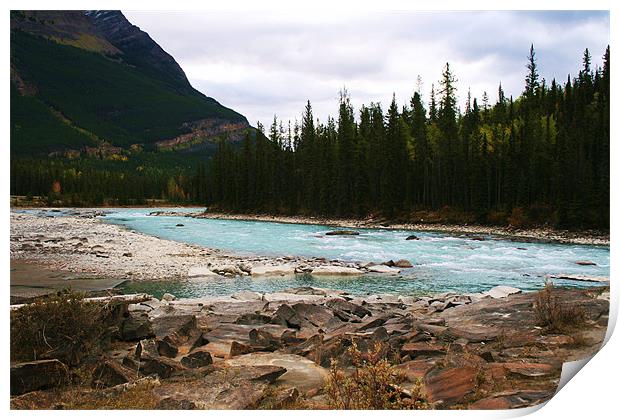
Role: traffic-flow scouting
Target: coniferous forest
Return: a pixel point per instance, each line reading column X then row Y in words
column 539, row 159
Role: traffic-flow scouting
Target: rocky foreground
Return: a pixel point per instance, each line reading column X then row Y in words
column 250, row 350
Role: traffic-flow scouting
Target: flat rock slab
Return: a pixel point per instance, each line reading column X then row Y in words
column 422, row 349
column 508, row 400
column 301, row 373
column 336, row 270
column 530, row 370
column 383, row 269
column 499, row 292
column 233, row 388
column 200, row 271
column 415, row 369
column 273, row 270
column 450, row 386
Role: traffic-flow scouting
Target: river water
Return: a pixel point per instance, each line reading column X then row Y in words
column 442, row 261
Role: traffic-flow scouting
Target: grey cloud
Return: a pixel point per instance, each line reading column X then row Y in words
column 262, row 64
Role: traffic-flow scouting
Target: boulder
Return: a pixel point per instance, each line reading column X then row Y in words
column 342, row 233
column 585, row 262
column 272, row 270
column 237, row 349
column 147, row 348
column 200, row 271
column 168, row 297
column 411, row 238
column 286, row 316
column 499, row 292
column 136, row 327
column 348, row 307
column 166, row 349
column 111, row 373
column 160, row 366
column 197, row 358
column 264, row 340
column 336, row 270
column 383, row 269
column 403, row 264
column 39, row 374
column 315, row 314
column 173, row 325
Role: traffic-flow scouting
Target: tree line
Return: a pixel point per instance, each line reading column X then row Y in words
column 540, row 158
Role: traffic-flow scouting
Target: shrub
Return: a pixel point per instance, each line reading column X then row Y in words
column 372, row 385
column 62, row 326
column 554, row 315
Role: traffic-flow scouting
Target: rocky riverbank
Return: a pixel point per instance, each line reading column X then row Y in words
column 79, row 242
column 526, row 235
column 251, row 350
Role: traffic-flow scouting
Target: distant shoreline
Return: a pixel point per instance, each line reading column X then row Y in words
column 546, row 235
column 527, row 235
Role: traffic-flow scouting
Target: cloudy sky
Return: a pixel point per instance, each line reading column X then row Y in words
column 261, row 64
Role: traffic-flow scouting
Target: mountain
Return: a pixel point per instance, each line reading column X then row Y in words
column 91, row 84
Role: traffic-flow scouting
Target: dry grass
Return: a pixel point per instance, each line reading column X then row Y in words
column 372, row 385
column 555, row 315
column 61, row 326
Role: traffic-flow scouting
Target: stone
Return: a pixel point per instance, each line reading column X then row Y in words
column 135, row 328
column 200, row 271
column 233, row 388
column 39, row 374
column 412, row 238
column 160, row 366
column 263, row 339
column 342, row 233
column 168, row 297
column 403, row 264
column 300, row 372
column 253, row 319
column 499, row 292
column 146, row 348
column 237, row 349
column 166, row 349
column 383, row 269
column 336, row 270
column 197, row 358
column 585, row 262
column 450, row 386
column 180, row 225
column 272, row 270
column 177, row 326
column 111, row 373
column 247, row 295
column 422, row 349
column 315, row 314
column 415, row 369
column 286, row 316
column 348, row 307
column 529, row 370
